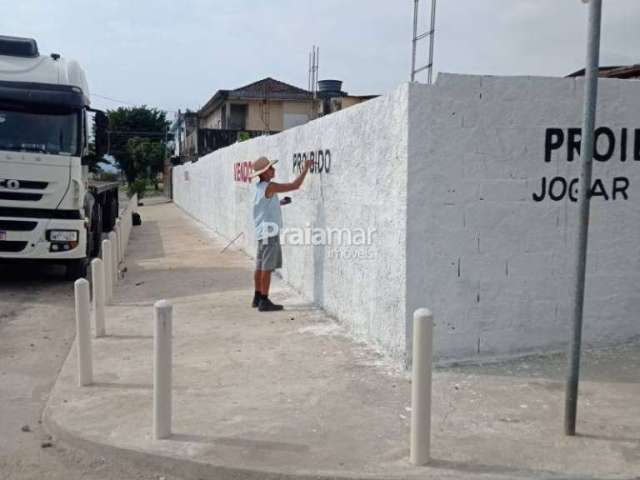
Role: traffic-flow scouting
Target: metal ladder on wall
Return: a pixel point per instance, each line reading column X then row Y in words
column 416, row 38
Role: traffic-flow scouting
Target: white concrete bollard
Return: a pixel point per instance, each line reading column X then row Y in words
column 127, row 230
column 108, row 265
column 118, row 232
column 421, row 387
column 121, row 239
column 123, row 226
column 124, row 238
column 97, row 280
column 83, row 333
column 114, row 261
column 162, row 365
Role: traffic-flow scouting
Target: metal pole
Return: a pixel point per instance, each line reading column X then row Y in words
column 432, row 39
column 315, row 84
column 97, row 279
column 83, row 329
column 415, row 40
column 164, row 162
column 309, row 74
column 588, row 125
column 162, row 353
column 108, row 265
column 421, row 387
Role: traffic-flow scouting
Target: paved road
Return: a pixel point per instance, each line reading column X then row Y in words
column 37, row 327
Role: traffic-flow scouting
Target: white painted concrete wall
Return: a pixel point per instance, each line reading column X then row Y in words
column 446, row 174
column 365, row 188
column 494, row 265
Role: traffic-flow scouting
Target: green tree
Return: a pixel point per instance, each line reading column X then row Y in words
column 146, row 157
column 92, row 159
column 137, row 140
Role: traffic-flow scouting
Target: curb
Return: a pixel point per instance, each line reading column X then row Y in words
column 193, row 470
column 181, row 468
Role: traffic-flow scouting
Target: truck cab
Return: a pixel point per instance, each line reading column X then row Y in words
column 48, row 209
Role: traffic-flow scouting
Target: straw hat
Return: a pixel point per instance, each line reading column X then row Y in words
column 261, row 165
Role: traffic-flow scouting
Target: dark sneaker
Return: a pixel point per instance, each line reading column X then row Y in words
column 267, row 305
column 256, row 301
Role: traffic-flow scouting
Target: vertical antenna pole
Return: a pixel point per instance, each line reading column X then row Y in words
column 415, row 40
column 432, row 39
column 309, row 74
column 313, row 67
column 315, row 84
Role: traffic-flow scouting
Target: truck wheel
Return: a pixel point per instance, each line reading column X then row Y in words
column 76, row 269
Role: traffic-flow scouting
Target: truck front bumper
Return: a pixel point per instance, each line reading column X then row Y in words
column 27, row 238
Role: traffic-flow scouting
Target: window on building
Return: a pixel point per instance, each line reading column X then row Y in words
column 238, row 117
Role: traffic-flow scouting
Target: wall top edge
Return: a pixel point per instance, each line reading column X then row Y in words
column 449, row 78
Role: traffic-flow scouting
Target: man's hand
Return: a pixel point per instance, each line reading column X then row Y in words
column 308, row 164
column 274, row 187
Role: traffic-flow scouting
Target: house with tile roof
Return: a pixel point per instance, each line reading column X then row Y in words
column 261, row 108
column 267, row 105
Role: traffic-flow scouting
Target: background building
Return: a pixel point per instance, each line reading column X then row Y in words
column 267, row 105
column 620, row 71
column 264, row 107
column 332, row 99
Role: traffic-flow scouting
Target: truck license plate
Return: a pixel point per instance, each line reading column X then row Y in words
column 3, row 235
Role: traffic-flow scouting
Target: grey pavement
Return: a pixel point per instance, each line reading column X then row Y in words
column 37, row 328
column 290, row 395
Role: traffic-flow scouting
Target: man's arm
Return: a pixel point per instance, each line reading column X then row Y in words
column 274, row 188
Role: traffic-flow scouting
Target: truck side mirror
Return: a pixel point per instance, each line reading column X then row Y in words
column 101, row 126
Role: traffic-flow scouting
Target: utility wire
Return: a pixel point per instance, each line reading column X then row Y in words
column 137, row 133
column 123, row 102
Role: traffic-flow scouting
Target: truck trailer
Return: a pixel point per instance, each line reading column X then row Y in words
column 49, row 209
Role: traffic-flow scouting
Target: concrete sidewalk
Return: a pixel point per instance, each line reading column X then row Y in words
column 288, row 395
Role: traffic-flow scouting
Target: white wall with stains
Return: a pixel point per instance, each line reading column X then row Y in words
column 451, row 178
column 363, row 286
column 486, row 252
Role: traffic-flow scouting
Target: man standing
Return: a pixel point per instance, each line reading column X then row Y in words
column 268, row 223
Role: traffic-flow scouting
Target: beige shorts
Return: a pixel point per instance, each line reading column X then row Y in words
column 269, row 255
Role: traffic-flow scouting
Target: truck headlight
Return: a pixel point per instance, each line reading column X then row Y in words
column 62, row 235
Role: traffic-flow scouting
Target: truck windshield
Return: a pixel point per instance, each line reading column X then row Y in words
column 51, row 131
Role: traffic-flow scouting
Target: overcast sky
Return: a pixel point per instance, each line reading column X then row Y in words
column 176, row 54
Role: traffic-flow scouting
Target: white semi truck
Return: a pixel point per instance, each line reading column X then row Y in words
column 49, row 209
